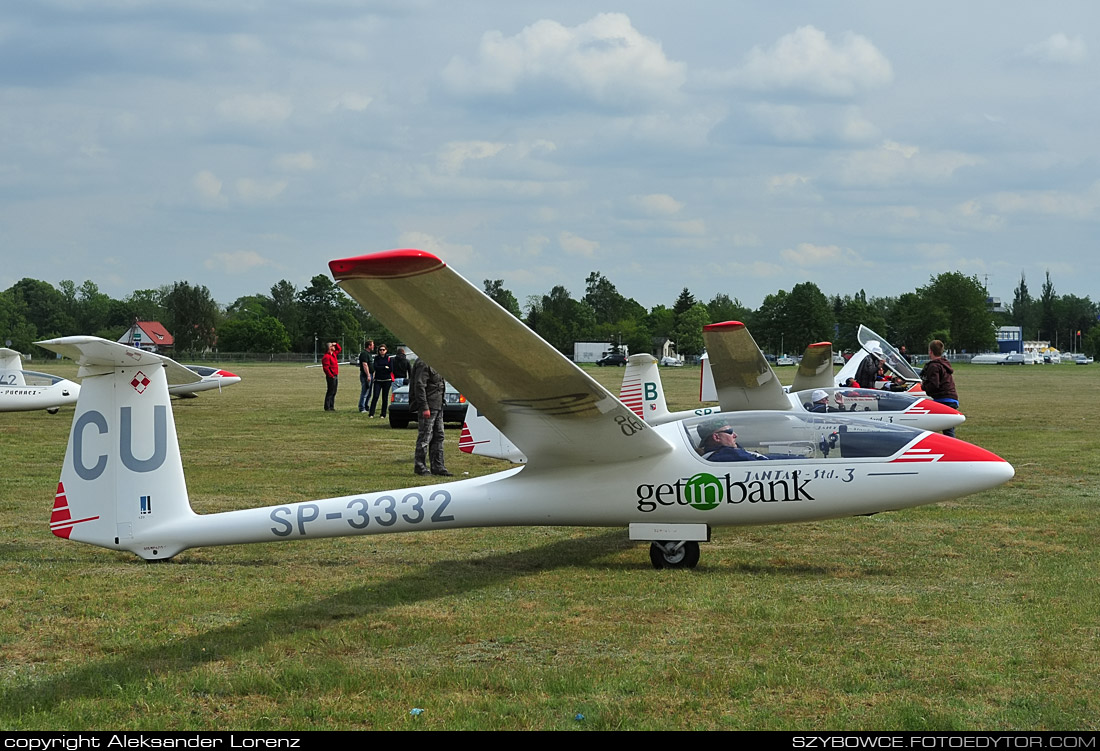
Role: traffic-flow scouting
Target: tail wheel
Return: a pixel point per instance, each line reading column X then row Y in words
column 671, row 554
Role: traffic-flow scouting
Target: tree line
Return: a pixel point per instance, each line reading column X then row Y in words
column 952, row 307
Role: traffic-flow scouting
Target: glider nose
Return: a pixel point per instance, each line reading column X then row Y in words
column 228, row 378
column 986, row 469
column 950, row 414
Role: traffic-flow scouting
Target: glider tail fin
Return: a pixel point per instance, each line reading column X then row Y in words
column 642, row 390
column 122, row 484
column 481, row 437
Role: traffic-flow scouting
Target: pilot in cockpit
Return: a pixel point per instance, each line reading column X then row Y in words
column 719, row 443
column 819, row 401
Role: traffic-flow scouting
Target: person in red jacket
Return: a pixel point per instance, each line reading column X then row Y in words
column 330, row 363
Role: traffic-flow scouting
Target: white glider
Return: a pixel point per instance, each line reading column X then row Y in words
column 591, row 461
column 27, row 390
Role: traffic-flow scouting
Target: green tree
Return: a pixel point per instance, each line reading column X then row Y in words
column 503, row 297
column 722, row 308
column 1048, row 319
column 961, row 302
column 285, row 307
column 44, row 307
column 684, row 302
column 809, row 317
column 1024, row 313
column 852, row 311
column 193, row 317
column 561, row 320
column 253, row 333
column 329, row 314
column 689, row 329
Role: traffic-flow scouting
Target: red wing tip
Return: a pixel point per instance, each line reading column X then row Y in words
column 387, row 264
column 724, row 325
column 819, row 345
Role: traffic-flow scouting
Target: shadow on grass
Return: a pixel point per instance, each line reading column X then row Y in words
column 95, row 679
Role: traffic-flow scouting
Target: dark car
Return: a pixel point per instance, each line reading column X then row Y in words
column 613, row 359
column 454, row 407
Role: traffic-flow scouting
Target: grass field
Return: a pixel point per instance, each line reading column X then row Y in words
column 980, row 613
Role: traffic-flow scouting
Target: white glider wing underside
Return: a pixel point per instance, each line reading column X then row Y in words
column 742, row 377
column 553, row 411
column 95, row 356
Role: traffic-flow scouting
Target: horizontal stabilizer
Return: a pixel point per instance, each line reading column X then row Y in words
column 96, row 356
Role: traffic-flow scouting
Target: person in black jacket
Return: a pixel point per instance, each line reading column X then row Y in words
column 400, row 366
column 383, row 377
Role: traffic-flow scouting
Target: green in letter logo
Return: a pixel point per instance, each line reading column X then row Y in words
column 650, row 390
column 703, row 491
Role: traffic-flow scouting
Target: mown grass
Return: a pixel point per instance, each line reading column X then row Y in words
column 983, row 612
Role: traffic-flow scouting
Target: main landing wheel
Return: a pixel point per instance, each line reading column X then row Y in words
column 674, row 554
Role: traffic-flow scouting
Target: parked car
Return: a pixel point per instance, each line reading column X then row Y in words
column 614, row 358
column 838, row 358
column 454, row 407
column 785, row 360
column 1082, row 360
column 671, row 362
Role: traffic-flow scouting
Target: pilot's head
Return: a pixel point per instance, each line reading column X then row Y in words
column 819, row 397
column 716, row 433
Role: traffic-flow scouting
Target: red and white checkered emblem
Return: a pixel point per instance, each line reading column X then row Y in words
column 140, row 382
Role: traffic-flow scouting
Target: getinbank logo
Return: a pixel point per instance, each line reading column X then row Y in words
column 705, row 492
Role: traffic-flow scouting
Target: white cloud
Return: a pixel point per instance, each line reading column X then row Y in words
column 452, row 254
column 1052, row 202
column 787, row 182
column 258, row 191
column 798, row 124
column 806, row 60
column 532, row 246
column 303, row 161
column 209, row 188
column 1058, row 49
column 658, row 203
column 456, row 153
column 352, row 102
column 255, row 109
column 808, row 254
column 575, row 245
column 894, row 162
column 604, row 60
column 237, row 262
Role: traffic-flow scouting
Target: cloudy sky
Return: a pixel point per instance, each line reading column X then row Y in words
column 736, row 147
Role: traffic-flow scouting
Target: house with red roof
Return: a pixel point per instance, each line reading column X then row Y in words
column 148, row 335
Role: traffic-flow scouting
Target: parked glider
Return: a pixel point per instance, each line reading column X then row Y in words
column 745, row 380
column 27, row 390
column 209, row 379
column 869, row 342
column 591, row 461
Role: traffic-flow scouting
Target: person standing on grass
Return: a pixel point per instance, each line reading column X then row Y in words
column 383, row 377
column 365, row 358
column 330, row 363
column 426, row 401
column 400, row 365
column 938, row 379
